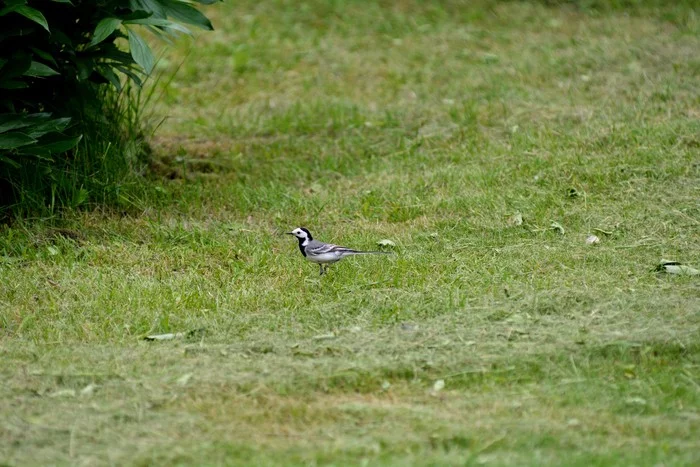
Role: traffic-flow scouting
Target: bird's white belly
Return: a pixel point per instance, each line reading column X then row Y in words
column 324, row 258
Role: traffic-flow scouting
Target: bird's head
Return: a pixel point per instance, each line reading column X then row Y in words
column 301, row 233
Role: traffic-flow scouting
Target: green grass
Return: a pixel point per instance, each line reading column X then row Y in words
column 430, row 124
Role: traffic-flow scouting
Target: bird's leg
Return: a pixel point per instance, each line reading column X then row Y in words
column 321, row 267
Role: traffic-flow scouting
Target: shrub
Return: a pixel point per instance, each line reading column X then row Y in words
column 69, row 124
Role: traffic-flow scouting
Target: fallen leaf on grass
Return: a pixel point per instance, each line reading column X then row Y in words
column 674, row 267
column 88, row 390
column 556, row 226
column 164, row 337
column 516, row 219
column 176, row 335
column 592, row 240
column 324, row 337
column 184, row 379
column 63, row 393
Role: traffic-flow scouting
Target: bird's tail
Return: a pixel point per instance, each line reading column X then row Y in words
column 356, row 252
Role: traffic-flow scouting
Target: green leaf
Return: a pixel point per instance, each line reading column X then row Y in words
column 19, row 63
column 154, row 7
column 61, row 38
column 139, row 13
column 40, row 70
column 104, row 28
column 110, row 76
column 141, row 52
column 55, row 144
column 10, row 162
column 12, row 6
column 80, row 197
column 130, row 73
column 32, row 14
column 55, row 125
column 13, row 69
column 12, row 84
column 47, row 57
column 116, row 55
column 14, row 140
column 13, row 121
column 161, row 23
column 181, row 11
column 85, row 65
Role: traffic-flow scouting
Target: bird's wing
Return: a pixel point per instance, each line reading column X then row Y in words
column 319, row 248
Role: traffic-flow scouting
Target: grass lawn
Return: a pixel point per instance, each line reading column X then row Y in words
column 487, row 140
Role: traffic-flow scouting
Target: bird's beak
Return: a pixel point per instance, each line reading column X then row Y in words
column 289, row 233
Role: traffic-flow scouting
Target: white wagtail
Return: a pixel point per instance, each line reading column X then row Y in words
column 324, row 253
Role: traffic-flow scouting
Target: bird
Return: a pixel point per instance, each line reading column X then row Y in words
column 322, row 253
